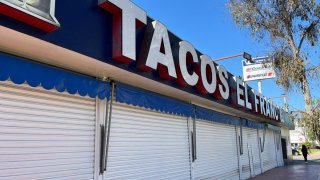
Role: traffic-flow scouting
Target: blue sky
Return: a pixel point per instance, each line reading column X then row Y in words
column 208, row 25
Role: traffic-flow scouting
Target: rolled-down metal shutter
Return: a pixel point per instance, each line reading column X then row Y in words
column 256, row 159
column 216, row 151
column 147, row 145
column 269, row 158
column 250, row 159
column 277, row 137
column 45, row 134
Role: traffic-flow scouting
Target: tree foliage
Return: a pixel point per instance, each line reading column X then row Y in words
column 311, row 122
column 293, row 28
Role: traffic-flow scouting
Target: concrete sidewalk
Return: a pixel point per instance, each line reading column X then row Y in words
column 296, row 170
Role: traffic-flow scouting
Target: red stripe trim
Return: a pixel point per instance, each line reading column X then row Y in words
column 26, row 18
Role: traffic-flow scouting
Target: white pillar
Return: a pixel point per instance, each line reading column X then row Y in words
column 260, row 86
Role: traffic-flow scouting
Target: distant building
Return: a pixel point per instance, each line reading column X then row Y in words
column 297, row 136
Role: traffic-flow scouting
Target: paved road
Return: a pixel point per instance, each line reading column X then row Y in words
column 297, row 170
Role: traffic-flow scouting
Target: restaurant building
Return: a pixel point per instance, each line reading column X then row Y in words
column 98, row 90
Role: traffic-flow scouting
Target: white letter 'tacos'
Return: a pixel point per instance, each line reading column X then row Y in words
column 156, row 51
column 125, row 14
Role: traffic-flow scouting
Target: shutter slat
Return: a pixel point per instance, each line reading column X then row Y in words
column 13, row 155
column 37, row 118
column 21, row 97
column 28, row 112
column 43, row 107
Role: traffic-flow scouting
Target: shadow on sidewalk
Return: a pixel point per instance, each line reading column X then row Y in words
column 313, row 159
column 310, row 162
column 297, row 169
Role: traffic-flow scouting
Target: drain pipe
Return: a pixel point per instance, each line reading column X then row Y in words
column 105, row 132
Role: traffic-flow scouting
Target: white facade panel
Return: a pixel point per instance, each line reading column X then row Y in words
column 216, row 151
column 147, row 145
column 45, row 134
column 285, row 133
column 269, row 157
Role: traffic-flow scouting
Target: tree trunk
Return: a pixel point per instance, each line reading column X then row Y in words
column 304, row 83
column 307, row 95
column 317, row 126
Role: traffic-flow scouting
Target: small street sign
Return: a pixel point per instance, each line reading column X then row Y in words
column 261, row 68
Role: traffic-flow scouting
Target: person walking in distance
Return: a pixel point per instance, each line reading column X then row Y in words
column 305, row 153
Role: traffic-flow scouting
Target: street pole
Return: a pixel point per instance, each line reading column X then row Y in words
column 260, row 86
column 227, row 57
column 285, row 103
column 245, row 55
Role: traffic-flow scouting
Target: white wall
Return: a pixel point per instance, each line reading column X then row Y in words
column 286, row 133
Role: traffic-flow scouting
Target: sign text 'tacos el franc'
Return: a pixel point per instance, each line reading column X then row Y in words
column 157, row 54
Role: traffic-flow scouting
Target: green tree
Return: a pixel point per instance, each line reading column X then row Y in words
column 311, row 122
column 292, row 28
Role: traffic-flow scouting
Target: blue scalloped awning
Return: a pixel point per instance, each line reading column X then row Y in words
column 142, row 98
column 138, row 97
column 274, row 128
column 210, row 115
column 20, row 70
column 252, row 124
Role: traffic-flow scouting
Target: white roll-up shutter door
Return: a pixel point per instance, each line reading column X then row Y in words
column 269, row 158
column 255, row 151
column 45, row 134
column 217, row 156
column 245, row 158
column 147, row 145
column 250, row 159
column 277, row 138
